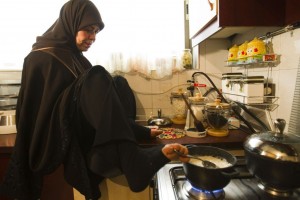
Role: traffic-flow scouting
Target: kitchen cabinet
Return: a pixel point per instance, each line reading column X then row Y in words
column 55, row 187
column 201, row 13
column 231, row 17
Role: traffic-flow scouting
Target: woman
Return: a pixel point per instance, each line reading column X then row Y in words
column 68, row 113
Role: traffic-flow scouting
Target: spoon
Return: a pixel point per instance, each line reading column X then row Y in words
column 206, row 163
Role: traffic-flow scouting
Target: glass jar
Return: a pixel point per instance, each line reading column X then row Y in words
column 187, row 59
column 217, row 114
column 178, row 107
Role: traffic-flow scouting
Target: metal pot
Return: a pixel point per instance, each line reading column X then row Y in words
column 274, row 158
column 210, row 178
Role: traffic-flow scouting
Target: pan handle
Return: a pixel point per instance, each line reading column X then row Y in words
column 232, row 174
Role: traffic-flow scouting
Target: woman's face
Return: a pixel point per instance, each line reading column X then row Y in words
column 86, row 37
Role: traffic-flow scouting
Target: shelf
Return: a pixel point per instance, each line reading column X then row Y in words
column 269, row 102
column 255, row 63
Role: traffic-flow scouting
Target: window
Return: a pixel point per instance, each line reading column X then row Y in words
column 143, row 36
column 21, row 21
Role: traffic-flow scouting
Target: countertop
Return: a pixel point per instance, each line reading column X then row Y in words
column 234, row 139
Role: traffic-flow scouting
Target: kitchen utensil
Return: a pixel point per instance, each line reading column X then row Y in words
column 274, row 158
column 206, row 163
column 198, row 124
column 210, row 178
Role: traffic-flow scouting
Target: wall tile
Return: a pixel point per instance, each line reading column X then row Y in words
column 290, row 55
column 286, row 87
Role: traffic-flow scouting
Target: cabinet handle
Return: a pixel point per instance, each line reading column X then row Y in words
column 210, row 4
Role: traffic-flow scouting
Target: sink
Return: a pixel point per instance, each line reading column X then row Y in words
column 159, row 120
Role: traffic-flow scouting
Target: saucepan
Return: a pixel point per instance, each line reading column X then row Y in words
column 210, row 178
column 274, row 157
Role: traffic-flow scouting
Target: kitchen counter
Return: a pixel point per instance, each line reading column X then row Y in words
column 234, row 140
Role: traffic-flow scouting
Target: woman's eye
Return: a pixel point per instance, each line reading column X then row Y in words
column 90, row 31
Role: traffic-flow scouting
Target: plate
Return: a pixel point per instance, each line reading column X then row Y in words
column 171, row 133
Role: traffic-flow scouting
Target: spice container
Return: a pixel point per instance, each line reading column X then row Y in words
column 230, row 82
column 178, row 107
column 251, row 89
column 256, row 49
column 232, row 55
column 187, row 59
column 242, row 53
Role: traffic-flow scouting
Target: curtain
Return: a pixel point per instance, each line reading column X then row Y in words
column 140, row 36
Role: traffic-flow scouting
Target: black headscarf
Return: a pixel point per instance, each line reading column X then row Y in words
column 60, row 39
column 74, row 16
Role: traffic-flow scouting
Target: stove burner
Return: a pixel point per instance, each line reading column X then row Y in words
column 273, row 191
column 194, row 193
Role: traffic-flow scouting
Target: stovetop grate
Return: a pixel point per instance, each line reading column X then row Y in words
column 243, row 187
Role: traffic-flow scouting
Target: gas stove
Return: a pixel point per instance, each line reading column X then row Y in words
column 172, row 184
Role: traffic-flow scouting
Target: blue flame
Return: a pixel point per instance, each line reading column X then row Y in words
column 208, row 191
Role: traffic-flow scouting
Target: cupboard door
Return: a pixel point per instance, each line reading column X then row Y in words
column 201, row 13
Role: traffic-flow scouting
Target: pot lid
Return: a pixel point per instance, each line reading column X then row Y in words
column 178, row 93
column 217, row 105
column 275, row 145
column 197, row 99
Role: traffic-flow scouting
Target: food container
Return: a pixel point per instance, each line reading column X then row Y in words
column 251, row 89
column 178, row 107
column 187, row 59
column 256, row 49
column 232, row 55
column 230, row 83
column 242, row 53
column 274, row 158
column 217, row 115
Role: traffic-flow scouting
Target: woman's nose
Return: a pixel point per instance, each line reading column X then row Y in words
column 92, row 35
